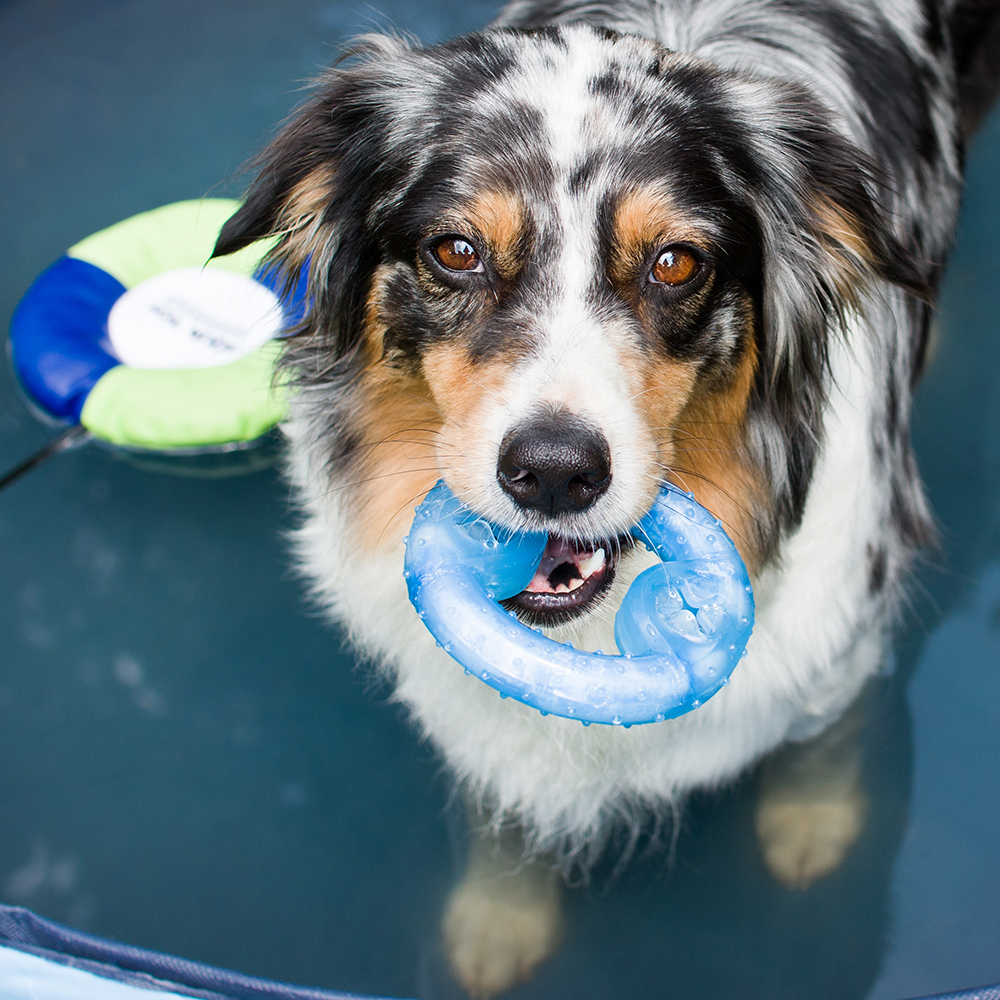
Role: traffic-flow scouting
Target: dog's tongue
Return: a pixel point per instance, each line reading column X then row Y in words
column 564, row 568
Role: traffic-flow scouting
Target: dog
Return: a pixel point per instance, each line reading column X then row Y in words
column 595, row 247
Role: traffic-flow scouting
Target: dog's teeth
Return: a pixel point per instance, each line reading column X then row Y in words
column 591, row 565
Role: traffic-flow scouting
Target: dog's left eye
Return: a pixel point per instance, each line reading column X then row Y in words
column 457, row 254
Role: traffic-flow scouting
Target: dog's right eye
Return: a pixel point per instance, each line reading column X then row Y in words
column 675, row 265
column 457, row 254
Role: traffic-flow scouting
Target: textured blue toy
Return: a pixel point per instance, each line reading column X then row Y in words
column 681, row 629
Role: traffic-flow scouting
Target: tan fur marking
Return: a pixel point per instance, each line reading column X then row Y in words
column 841, row 226
column 644, row 219
column 696, row 436
column 698, row 432
column 414, row 430
column 464, row 392
column 301, row 215
column 399, row 425
column 666, row 386
column 458, row 385
column 398, row 456
column 499, row 217
column 707, row 457
column 373, row 327
column 852, row 258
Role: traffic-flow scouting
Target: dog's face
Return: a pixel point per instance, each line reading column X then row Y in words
column 556, row 268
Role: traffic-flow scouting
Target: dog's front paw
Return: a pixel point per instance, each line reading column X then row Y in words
column 805, row 836
column 498, row 929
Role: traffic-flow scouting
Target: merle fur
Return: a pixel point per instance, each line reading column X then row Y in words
column 882, row 154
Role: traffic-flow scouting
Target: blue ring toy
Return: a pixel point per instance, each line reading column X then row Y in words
column 681, row 629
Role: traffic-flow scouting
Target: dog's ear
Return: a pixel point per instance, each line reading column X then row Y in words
column 847, row 208
column 828, row 236
column 299, row 171
column 316, row 180
column 829, row 246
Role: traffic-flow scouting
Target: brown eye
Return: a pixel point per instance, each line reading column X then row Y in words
column 674, row 266
column 457, row 254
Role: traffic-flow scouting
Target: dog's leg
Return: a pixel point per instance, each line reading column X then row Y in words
column 504, row 916
column 811, row 803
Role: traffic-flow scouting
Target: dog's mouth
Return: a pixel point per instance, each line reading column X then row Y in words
column 571, row 579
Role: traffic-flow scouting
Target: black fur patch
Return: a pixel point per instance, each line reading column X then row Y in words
column 878, row 566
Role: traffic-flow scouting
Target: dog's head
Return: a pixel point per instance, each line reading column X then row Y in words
column 557, row 267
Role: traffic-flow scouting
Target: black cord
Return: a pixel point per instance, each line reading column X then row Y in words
column 75, row 435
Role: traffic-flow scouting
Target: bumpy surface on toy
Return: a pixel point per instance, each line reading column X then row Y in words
column 681, row 629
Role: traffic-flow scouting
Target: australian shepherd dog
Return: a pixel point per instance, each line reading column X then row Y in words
column 597, row 246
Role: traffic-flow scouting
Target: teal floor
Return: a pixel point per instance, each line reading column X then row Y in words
column 189, row 760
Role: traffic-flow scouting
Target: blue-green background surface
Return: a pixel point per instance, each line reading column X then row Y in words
column 190, row 761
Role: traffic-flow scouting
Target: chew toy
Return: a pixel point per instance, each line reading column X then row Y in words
column 681, row 629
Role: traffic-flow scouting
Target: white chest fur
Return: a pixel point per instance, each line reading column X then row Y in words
column 817, row 638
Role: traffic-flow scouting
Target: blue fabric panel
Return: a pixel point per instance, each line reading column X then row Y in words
column 294, row 302
column 20, row 928
column 980, row 993
column 59, row 335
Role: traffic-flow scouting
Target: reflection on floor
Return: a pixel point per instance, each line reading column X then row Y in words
column 189, row 760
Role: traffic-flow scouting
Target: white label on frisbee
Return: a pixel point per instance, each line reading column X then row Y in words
column 194, row 317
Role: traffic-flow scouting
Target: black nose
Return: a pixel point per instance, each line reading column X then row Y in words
column 554, row 464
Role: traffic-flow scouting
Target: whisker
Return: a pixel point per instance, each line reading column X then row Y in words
column 642, row 392
column 371, row 479
column 645, row 535
column 680, row 431
column 361, row 459
column 395, row 440
column 687, row 450
column 401, row 507
column 381, row 380
column 746, row 510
